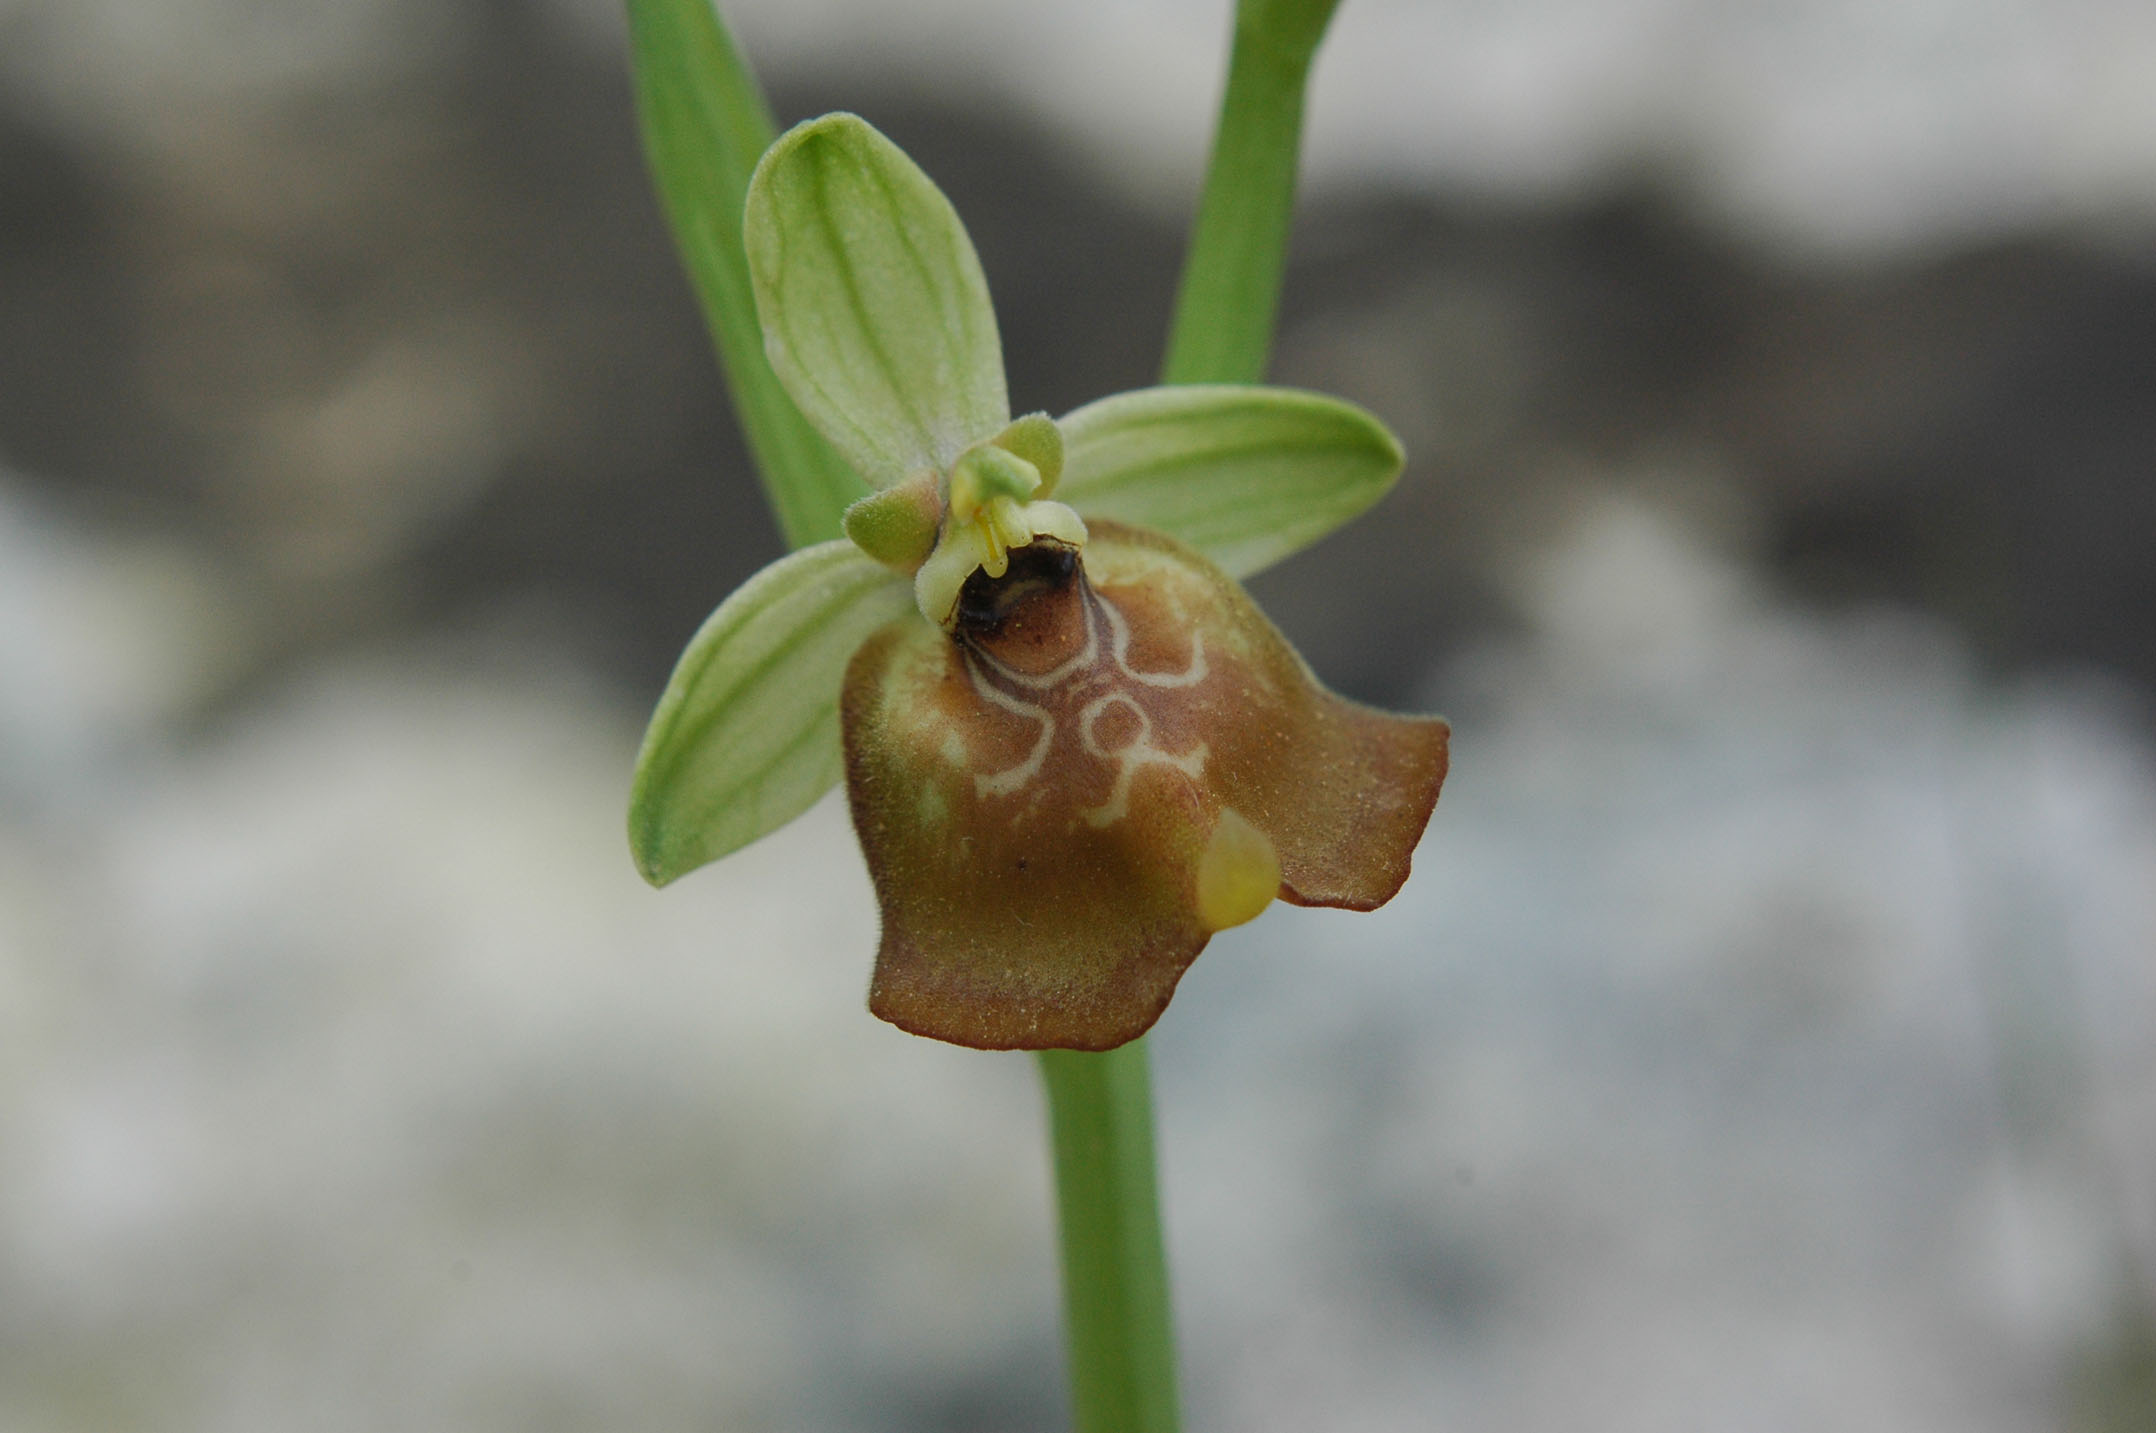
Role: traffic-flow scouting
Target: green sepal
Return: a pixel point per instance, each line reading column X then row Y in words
column 1245, row 475
column 745, row 737
column 1038, row 440
column 875, row 311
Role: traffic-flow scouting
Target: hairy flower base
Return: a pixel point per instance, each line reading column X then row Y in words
column 1107, row 760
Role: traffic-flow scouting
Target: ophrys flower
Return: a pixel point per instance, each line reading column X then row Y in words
column 1073, row 747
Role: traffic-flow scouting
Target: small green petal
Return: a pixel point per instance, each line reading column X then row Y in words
column 875, row 311
column 745, row 737
column 897, row 525
column 1245, row 475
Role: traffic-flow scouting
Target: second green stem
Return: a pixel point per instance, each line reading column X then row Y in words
column 1230, row 293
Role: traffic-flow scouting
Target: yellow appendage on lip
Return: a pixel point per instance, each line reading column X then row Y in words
column 1238, row 873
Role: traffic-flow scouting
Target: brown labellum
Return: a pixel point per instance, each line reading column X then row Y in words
column 1109, row 758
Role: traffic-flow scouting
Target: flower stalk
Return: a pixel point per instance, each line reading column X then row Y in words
column 1118, row 1319
column 1119, row 1328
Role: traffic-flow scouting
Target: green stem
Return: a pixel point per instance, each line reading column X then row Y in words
column 1118, row 1329
column 705, row 125
column 1230, row 293
column 1118, row 1323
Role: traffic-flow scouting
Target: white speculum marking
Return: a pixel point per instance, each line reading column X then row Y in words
column 1119, row 647
column 1003, row 783
column 1129, row 756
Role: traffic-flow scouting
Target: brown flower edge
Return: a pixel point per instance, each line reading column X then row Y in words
column 1112, row 755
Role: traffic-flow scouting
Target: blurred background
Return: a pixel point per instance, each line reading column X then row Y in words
column 1767, row 1040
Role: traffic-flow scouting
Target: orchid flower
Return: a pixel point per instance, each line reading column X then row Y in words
column 1073, row 747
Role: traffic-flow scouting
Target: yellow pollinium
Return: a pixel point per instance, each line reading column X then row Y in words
column 996, row 527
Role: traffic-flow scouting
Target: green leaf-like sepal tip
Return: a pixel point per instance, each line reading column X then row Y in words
column 745, row 737
column 1245, row 475
column 874, row 308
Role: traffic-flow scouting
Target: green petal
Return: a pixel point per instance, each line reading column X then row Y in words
column 897, row 525
column 745, row 737
column 875, row 311
column 1245, row 475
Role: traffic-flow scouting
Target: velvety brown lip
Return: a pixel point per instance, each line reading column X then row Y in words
column 1034, row 791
